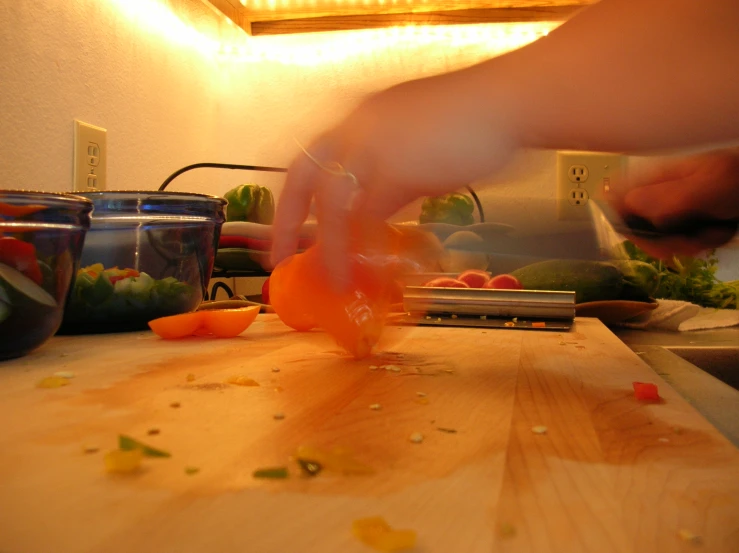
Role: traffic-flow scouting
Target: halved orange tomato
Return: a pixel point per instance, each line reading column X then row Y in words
column 177, row 326
column 221, row 323
column 228, row 323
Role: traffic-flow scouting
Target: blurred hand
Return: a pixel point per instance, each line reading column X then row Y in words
column 702, row 187
column 409, row 141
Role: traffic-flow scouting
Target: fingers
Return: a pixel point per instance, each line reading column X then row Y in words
column 317, row 176
column 334, row 198
column 293, row 207
column 380, row 202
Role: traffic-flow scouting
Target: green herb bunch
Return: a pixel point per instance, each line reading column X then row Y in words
column 690, row 279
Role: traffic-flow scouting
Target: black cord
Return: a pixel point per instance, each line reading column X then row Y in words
column 177, row 173
column 477, row 202
column 220, row 286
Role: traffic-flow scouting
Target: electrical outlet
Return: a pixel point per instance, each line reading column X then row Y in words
column 577, row 173
column 578, row 196
column 584, row 176
column 90, row 157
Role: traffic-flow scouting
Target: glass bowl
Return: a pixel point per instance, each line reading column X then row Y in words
column 147, row 255
column 41, row 239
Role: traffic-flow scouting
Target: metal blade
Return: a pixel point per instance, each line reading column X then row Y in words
column 538, row 233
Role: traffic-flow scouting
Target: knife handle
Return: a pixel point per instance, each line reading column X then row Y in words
column 689, row 226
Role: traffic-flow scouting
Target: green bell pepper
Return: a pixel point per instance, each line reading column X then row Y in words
column 250, row 202
column 454, row 209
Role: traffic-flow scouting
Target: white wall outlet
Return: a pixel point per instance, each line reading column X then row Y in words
column 90, row 157
column 584, row 176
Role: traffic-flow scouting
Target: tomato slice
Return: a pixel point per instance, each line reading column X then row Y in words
column 229, row 323
column 177, row 326
column 645, row 391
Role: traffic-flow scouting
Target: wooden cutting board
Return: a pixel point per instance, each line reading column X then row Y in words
column 610, row 474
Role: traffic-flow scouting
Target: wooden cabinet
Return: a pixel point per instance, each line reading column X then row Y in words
column 260, row 17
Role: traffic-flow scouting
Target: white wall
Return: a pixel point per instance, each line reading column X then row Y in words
column 149, row 71
column 156, row 75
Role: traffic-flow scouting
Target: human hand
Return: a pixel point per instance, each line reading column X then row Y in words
column 421, row 138
column 698, row 188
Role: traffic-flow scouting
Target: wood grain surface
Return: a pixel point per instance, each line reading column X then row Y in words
column 259, row 18
column 610, row 474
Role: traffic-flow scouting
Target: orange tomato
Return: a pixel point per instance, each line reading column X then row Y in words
column 303, row 296
column 285, row 293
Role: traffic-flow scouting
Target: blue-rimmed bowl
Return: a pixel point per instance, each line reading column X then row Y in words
column 148, row 254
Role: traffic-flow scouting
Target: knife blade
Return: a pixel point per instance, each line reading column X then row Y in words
column 687, row 226
column 536, row 233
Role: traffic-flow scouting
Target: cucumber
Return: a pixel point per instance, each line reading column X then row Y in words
column 28, row 288
column 590, row 280
column 641, row 279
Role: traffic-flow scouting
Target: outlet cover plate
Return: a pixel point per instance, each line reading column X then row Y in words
column 90, row 157
column 586, row 176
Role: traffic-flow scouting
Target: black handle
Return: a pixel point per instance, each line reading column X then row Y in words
column 686, row 226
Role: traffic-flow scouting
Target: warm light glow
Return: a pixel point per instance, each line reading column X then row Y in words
column 310, row 49
column 158, row 18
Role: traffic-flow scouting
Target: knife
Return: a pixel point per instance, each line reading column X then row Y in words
column 599, row 237
column 536, row 232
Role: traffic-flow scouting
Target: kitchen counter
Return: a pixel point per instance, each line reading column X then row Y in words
column 531, row 441
column 703, row 366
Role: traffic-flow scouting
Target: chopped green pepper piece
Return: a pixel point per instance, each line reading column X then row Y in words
column 126, row 443
column 447, row 430
column 271, row 472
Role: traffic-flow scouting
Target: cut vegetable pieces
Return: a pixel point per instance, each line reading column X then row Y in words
column 646, row 391
column 377, row 533
column 126, row 443
column 123, row 461
column 52, row 382
column 26, row 286
column 12, row 210
column 241, row 380
column 335, row 460
column 177, row 326
column 221, row 323
column 275, row 473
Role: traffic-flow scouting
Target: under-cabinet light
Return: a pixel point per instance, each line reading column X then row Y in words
column 311, row 49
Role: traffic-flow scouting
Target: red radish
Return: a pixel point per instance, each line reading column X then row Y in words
column 446, row 282
column 504, row 282
column 265, row 291
column 474, row 278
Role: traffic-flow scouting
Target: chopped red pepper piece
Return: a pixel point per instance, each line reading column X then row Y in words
column 11, row 210
column 645, row 391
column 21, row 256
